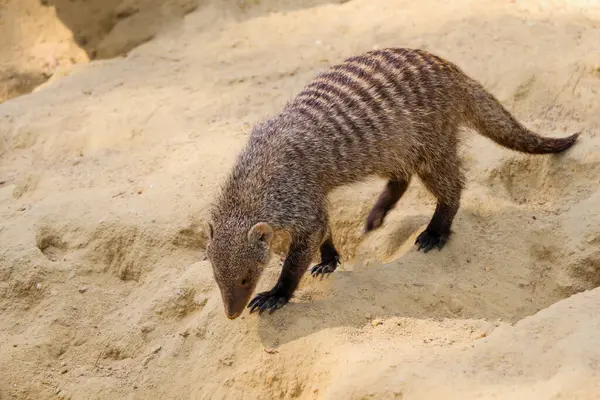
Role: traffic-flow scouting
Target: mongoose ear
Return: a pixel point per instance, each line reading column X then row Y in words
column 261, row 232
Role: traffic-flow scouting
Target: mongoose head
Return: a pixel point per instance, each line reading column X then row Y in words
column 238, row 253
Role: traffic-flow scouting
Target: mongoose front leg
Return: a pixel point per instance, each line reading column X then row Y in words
column 295, row 265
column 393, row 191
column 330, row 258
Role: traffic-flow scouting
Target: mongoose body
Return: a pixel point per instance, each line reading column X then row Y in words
column 392, row 113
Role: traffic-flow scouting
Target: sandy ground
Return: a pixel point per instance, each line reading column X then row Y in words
column 105, row 291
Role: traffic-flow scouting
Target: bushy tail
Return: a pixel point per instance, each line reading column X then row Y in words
column 492, row 120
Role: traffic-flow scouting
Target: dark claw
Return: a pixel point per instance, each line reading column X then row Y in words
column 325, row 268
column 266, row 304
column 255, row 306
column 270, row 303
column 254, row 303
column 266, row 300
column 321, row 269
column 428, row 240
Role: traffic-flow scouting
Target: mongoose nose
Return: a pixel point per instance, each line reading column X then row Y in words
column 233, row 316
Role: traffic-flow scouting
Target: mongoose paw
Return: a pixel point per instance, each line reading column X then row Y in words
column 265, row 300
column 427, row 240
column 325, row 268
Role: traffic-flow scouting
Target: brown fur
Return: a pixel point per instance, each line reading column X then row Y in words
column 391, row 113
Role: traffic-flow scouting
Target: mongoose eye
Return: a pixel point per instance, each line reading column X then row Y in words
column 245, row 282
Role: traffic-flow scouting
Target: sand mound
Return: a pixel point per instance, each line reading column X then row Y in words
column 105, row 176
column 45, row 39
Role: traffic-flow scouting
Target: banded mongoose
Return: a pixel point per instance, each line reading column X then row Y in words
column 391, row 113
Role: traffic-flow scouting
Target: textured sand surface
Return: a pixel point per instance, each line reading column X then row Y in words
column 106, row 173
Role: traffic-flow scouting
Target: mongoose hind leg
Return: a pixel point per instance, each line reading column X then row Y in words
column 300, row 254
column 330, row 258
column 438, row 231
column 392, row 193
column 445, row 181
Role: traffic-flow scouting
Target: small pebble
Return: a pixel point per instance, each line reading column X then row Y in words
column 376, row 322
column 83, row 289
column 455, row 305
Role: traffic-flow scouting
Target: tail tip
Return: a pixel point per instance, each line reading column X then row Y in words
column 567, row 142
column 573, row 138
